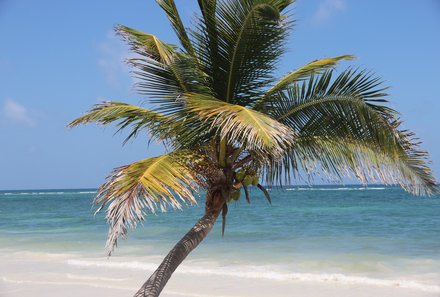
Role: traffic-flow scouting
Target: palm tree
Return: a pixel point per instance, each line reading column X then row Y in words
column 228, row 124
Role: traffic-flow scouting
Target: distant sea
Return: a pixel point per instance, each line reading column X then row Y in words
column 378, row 236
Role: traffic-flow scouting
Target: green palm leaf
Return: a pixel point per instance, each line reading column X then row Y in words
column 240, row 44
column 348, row 103
column 161, row 69
column 180, row 129
column 173, row 15
column 315, row 67
column 346, row 112
column 369, row 162
column 147, row 44
column 126, row 115
column 148, row 185
column 207, row 32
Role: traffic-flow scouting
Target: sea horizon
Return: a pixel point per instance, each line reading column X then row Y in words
column 274, row 186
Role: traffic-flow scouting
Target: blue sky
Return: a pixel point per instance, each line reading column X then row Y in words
column 58, row 58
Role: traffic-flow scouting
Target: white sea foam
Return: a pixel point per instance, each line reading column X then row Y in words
column 44, row 193
column 262, row 272
column 94, row 278
column 33, row 255
column 335, row 189
column 130, row 265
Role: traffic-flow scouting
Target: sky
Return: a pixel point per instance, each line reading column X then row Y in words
column 59, row 58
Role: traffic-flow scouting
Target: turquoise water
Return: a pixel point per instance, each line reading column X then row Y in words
column 375, row 233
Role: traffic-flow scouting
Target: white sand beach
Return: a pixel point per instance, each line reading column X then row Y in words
column 27, row 274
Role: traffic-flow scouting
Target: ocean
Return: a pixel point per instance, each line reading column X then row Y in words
column 377, row 236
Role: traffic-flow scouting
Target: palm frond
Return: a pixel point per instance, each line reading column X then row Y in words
column 347, row 111
column 153, row 67
column 173, row 15
column 250, row 129
column 147, row 44
column 126, row 115
column 207, row 7
column 335, row 158
column 208, row 18
column 240, row 44
column 161, row 69
column 206, row 31
column 179, row 129
column 315, row 67
column 349, row 102
column 147, row 186
column 166, row 82
column 265, row 192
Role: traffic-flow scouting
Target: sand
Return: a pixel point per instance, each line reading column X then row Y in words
column 69, row 275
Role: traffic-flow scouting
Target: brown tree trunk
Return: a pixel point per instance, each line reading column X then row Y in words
column 157, row 281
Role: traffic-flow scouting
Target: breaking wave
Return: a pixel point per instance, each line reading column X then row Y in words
column 261, row 272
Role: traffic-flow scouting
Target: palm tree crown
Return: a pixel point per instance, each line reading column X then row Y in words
column 230, row 124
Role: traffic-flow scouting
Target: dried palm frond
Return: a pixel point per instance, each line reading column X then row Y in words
column 151, row 184
column 252, row 130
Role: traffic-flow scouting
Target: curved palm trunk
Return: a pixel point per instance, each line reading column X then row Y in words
column 157, row 281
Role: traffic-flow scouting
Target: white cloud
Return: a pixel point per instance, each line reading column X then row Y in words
column 16, row 113
column 327, row 8
column 113, row 54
